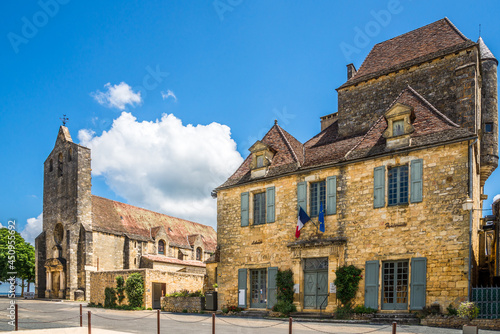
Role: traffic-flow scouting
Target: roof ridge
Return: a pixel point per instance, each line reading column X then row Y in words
column 364, row 137
column 288, row 144
column 447, row 20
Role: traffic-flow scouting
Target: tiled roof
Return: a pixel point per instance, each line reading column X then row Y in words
column 123, row 219
column 485, row 51
column 430, row 127
column 428, row 42
column 173, row 260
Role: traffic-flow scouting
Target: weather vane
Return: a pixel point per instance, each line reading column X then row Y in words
column 64, row 119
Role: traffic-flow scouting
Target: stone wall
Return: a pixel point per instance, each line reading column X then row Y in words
column 437, row 228
column 444, row 82
column 179, row 304
column 457, row 322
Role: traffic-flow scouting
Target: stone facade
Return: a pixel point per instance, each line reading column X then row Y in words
column 179, row 304
column 404, row 128
column 457, row 322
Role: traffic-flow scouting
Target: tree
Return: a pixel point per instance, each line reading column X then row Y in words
column 19, row 257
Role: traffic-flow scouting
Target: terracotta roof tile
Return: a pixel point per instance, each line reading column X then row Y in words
column 124, row 219
column 173, row 260
column 438, row 38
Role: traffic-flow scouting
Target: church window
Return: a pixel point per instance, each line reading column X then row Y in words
column 58, row 233
column 135, row 261
column 70, row 154
column 180, row 256
column 51, row 165
column 60, row 165
column 398, row 128
column 317, row 197
column 135, row 244
column 398, row 185
column 161, row 247
column 488, row 127
column 259, row 208
column 198, row 254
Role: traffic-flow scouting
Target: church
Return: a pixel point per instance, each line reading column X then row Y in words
column 88, row 240
column 396, row 174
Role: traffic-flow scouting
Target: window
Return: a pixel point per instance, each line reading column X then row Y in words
column 51, row 165
column 317, row 197
column 60, row 166
column 398, row 185
column 398, row 128
column 161, row 247
column 180, row 256
column 488, row 127
column 198, row 254
column 260, row 161
column 70, row 155
column 259, row 208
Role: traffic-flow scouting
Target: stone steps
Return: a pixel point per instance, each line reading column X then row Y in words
column 254, row 313
column 400, row 318
column 311, row 315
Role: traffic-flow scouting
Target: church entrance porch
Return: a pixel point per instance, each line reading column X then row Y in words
column 55, row 278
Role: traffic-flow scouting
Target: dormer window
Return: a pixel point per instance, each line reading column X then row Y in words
column 161, row 247
column 399, row 125
column 398, row 128
column 260, row 161
column 262, row 156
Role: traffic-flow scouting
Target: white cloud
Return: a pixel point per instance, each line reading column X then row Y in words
column 117, row 96
column 168, row 94
column 33, row 228
column 497, row 197
column 165, row 166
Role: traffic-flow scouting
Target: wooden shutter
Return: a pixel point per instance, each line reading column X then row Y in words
column 418, row 283
column 244, row 209
column 416, row 181
column 270, row 205
column 242, row 288
column 371, row 284
column 331, row 195
column 379, row 187
column 271, row 286
column 302, row 195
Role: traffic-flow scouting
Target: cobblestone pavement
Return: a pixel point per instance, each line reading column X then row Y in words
column 40, row 314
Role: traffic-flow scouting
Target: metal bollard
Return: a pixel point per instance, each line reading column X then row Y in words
column 89, row 324
column 81, row 316
column 158, row 321
column 16, row 315
column 394, row 324
column 290, row 320
column 213, row 323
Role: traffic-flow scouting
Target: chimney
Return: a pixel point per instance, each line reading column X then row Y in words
column 328, row 120
column 351, row 71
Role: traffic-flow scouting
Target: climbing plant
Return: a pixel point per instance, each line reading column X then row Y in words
column 284, row 295
column 134, row 287
column 120, row 288
column 347, row 283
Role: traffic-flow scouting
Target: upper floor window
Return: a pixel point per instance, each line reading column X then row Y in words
column 398, row 128
column 70, row 154
column 488, row 127
column 198, row 254
column 51, row 165
column 398, row 185
column 317, row 197
column 161, row 247
column 260, row 161
column 180, row 255
column 60, row 165
column 259, row 208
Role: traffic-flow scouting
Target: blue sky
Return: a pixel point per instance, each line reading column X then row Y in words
column 231, row 66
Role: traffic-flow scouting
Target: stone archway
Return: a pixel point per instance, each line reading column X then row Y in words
column 56, row 280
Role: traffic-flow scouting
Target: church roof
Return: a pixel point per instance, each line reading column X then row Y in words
column 123, row 219
column 431, row 41
column 173, row 260
column 327, row 147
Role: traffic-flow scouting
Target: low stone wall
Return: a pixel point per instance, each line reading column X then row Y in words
column 457, row 322
column 179, row 304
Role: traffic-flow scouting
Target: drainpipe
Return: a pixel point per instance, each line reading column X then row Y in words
column 471, row 212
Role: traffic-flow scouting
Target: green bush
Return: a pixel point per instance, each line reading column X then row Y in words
column 196, row 294
column 134, row 287
column 184, row 311
column 468, row 310
column 361, row 309
column 225, row 310
column 284, row 307
column 344, row 311
column 347, row 282
column 109, row 298
column 120, row 288
column 451, row 310
column 284, row 286
column 234, row 309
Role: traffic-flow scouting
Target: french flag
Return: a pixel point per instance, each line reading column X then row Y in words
column 303, row 218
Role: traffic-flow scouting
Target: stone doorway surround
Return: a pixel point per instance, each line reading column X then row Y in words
column 316, row 247
column 55, row 277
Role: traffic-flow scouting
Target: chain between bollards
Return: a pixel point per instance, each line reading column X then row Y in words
column 394, row 324
column 158, row 320
column 213, row 323
column 16, row 315
column 89, row 324
column 290, row 320
column 81, row 316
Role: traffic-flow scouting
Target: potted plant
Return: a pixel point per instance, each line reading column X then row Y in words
column 470, row 311
column 215, row 286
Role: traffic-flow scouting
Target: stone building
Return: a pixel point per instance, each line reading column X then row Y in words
column 399, row 171
column 85, row 234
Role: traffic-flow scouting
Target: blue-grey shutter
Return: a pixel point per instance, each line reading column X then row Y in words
column 270, row 205
column 418, row 283
column 271, row 286
column 244, row 209
column 379, row 187
column 242, row 288
column 416, row 181
column 331, row 195
column 302, row 195
column 371, row 284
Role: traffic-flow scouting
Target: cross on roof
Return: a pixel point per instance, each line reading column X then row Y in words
column 64, row 119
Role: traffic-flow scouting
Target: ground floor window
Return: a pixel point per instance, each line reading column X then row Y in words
column 395, row 285
column 258, row 287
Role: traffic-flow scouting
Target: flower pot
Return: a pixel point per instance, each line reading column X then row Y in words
column 469, row 329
